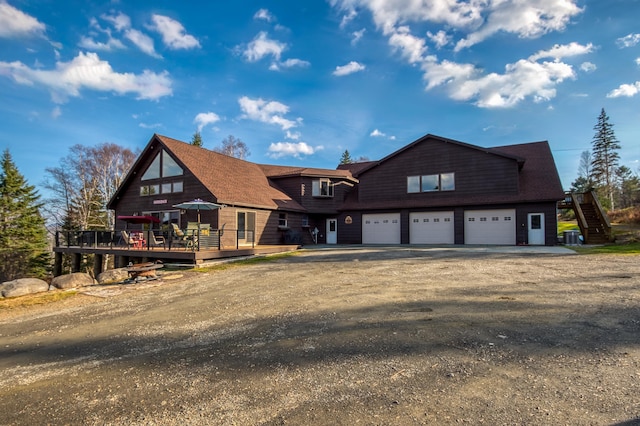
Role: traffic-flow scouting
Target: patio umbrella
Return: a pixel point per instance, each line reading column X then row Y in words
column 198, row 205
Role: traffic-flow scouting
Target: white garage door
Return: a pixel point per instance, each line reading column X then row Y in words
column 431, row 228
column 497, row 227
column 381, row 228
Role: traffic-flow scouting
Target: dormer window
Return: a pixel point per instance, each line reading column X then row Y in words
column 322, row 188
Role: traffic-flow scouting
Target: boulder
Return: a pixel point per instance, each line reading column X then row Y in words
column 113, row 276
column 23, row 286
column 74, row 280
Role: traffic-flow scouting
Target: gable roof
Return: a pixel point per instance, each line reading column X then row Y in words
column 427, row 138
column 231, row 181
column 538, row 180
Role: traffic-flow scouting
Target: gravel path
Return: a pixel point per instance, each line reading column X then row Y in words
column 373, row 336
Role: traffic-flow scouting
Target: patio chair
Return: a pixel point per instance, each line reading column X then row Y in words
column 127, row 238
column 179, row 237
column 156, row 240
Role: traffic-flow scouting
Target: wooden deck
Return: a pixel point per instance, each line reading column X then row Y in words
column 194, row 257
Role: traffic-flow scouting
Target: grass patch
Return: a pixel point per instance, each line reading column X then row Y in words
column 245, row 262
column 629, row 249
column 567, row 226
column 35, row 299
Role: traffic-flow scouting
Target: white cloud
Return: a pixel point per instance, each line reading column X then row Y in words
column 15, row 23
column 480, row 19
column 291, row 149
column 638, row 61
column 520, row 80
column 559, row 51
column 205, row 118
column 440, row 39
column 142, row 41
column 56, row 112
column 122, row 23
column 262, row 46
column 529, row 19
column 627, row 90
column 588, row 67
column 271, row 112
column 349, row 16
column 90, row 44
column 293, row 135
column 289, row 63
column 88, row 71
column 357, row 35
column 350, row 68
column 264, row 14
column 150, row 126
column 377, row 133
column 412, row 48
column 173, row 33
column 629, row 40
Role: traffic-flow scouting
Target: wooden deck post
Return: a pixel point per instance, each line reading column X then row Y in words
column 98, row 259
column 57, row 265
column 76, row 262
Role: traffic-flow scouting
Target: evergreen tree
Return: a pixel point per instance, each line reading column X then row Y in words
column 346, row 157
column 605, row 157
column 23, row 236
column 196, row 139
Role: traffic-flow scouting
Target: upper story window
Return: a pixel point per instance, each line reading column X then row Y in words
column 162, row 166
column 282, row 220
column 322, row 188
column 431, row 183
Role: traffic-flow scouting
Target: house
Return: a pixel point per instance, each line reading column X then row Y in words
column 432, row 191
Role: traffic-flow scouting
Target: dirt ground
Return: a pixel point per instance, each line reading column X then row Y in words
column 369, row 336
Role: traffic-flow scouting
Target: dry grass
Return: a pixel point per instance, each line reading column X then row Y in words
column 35, row 299
column 629, row 215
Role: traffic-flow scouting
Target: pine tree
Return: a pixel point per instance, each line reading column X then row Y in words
column 196, row 139
column 346, row 157
column 605, row 158
column 23, row 236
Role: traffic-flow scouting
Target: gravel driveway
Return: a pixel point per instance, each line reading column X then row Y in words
column 371, row 336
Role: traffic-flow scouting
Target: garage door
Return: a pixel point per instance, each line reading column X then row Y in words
column 497, row 227
column 382, row 228
column 431, row 228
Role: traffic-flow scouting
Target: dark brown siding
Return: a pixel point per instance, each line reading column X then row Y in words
column 300, row 188
column 476, row 172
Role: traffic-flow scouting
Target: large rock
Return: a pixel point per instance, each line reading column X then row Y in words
column 23, row 286
column 74, row 280
column 113, row 276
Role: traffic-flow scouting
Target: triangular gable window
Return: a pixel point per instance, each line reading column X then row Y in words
column 162, row 163
column 169, row 166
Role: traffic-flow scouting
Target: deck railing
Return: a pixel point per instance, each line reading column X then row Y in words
column 127, row 239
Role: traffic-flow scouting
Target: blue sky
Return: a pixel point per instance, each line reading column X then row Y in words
column 300, row 82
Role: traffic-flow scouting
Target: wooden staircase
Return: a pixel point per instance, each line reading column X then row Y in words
column 592, row 219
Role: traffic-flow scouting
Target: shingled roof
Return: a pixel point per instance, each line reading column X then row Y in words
column 232, row 181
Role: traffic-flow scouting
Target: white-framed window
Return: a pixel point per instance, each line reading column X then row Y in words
column 305, row 221
column 322, row 188
column 282, row 220
column 431, row 183
column 146, row 190
column 169, row 187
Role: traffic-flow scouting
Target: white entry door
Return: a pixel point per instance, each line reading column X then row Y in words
column 332, row 231
column 536, row 228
